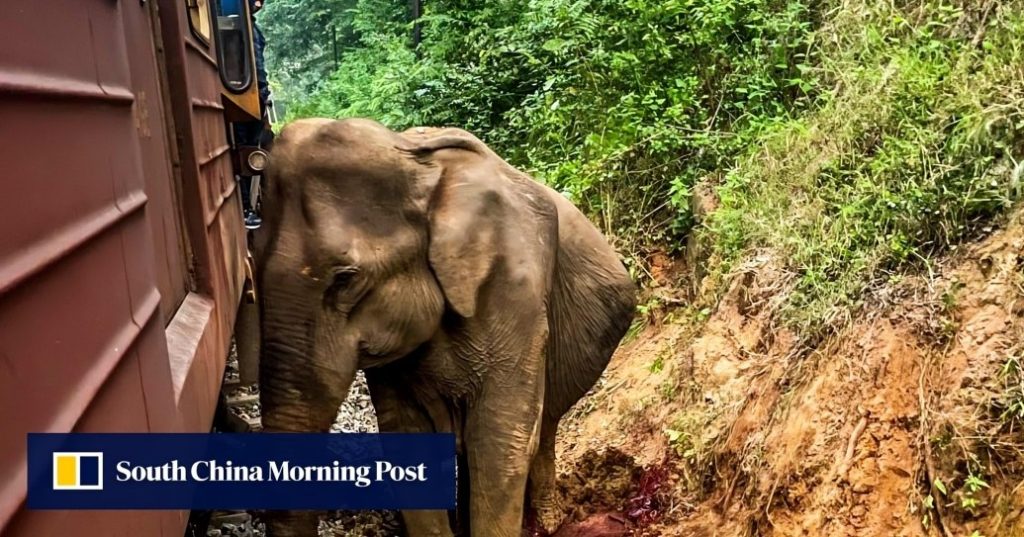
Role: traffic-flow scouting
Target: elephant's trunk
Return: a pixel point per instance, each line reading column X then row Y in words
column 305, row 370
column 305, row 374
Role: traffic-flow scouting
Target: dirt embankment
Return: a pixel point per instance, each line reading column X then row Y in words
column 904, row 420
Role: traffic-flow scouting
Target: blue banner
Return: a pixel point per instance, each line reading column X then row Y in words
column 241, row 471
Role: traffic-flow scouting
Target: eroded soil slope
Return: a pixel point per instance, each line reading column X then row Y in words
column 904, row 419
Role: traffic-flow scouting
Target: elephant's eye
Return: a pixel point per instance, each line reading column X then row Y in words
column 343, row 278
column 341, row 281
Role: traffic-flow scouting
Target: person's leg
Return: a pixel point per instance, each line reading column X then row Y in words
column 245, row 188
column 248, row 134
column 264, row 138
column 249, row 211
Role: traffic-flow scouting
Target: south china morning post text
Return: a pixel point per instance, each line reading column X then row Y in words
column 241, row 471
column 284, row 471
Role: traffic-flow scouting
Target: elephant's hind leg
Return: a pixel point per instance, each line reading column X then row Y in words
column 543, row 495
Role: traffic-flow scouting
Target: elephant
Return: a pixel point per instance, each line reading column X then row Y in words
column 476, row 300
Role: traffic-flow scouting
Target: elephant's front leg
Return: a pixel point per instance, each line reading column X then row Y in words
column 502, row 432
column 398, row 411
column 544, row 499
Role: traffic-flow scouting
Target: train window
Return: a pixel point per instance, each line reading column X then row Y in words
column 199, row 18
column 233, row 44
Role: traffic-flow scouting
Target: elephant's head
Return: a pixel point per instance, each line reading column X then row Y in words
column 367, row 237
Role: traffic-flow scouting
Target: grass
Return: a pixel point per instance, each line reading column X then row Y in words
column 914, row 150
column 1012, row 400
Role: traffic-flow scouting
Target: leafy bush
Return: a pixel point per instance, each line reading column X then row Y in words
column 621, row 105
column 853, row 138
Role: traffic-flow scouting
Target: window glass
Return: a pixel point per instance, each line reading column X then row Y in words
column 199, row 18
column 233, row 44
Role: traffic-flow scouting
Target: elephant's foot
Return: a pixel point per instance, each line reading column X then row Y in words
column 426, row 524
column 545, row 502
column 547, row 515
column 292, row 524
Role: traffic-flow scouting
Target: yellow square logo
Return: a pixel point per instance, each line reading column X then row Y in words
column 77, row 471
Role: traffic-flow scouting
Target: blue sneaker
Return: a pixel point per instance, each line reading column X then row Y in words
column 252, row 220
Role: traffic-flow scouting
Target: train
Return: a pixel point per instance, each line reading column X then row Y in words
column 124, row 264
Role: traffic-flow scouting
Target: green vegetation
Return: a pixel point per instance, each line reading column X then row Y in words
column 852, row 138
column 910, row 152
column 1011, row 404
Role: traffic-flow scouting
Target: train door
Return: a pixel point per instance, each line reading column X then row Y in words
column 160, row 160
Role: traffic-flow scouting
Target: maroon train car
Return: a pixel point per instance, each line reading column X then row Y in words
column 122, row 249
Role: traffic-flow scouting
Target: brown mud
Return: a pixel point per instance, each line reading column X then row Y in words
column 903, row 419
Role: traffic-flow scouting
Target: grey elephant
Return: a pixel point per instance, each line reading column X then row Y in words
column 478, row 302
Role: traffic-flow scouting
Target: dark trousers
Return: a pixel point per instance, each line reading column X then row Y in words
column 245, row 184
column 247, row 133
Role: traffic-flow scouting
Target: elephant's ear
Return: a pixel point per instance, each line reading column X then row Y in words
column 466, row 206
